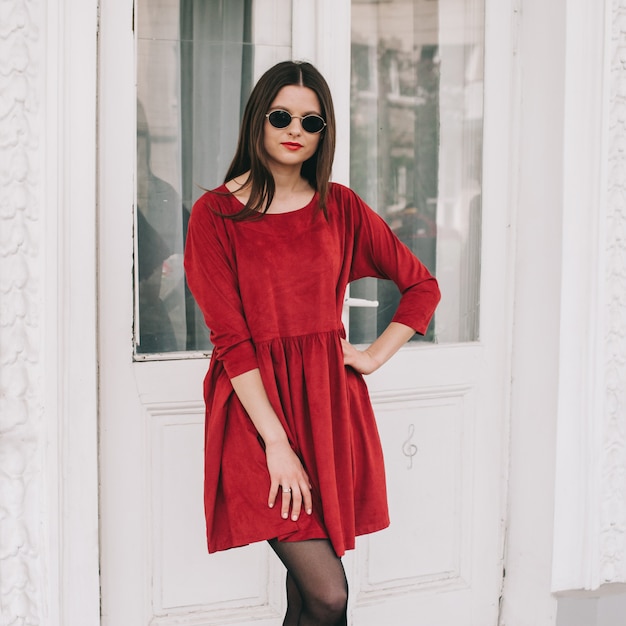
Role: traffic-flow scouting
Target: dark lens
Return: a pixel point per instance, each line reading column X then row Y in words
column 312, row 123
column 279, row 119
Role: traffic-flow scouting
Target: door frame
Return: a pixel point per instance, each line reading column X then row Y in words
column 66, row 64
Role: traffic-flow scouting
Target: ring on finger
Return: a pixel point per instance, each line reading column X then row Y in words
column 286, row 490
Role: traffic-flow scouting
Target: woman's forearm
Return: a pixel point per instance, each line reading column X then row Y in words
column 252, row 395
column 389, row 342
column 284, row 466
column 382, row 349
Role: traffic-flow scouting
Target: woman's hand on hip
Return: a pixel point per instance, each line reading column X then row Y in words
column 360, row 360
column 289, row 478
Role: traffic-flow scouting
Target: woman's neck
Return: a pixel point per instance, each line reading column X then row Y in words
column 289, row 181
column 291, row 191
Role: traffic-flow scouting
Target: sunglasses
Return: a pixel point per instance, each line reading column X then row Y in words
column 281, row 119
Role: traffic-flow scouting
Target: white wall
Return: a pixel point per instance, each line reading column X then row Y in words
column 48, row 402
column 537, row 198
column 605, row 611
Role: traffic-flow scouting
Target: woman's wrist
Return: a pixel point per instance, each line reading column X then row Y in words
column 375, row 361
column 275, row 439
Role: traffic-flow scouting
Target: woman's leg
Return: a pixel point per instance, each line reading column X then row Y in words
column 294, row 603
column 316, row 583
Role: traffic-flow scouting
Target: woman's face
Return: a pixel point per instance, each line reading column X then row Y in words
column 291, row 146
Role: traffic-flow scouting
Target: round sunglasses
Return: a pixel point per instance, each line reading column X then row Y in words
column 281, row 119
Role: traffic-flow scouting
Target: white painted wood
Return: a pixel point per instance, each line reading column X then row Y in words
column 124, row 572
column 67, row 201
column 441, row 409
column 229, row 584
column 441, row 494
column 536, row 202
column 579, row 486
column 428, row 440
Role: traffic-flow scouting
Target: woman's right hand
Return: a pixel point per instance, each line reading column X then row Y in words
column 285, row 468
column 288, row 476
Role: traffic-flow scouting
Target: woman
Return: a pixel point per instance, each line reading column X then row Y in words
column 292, row 451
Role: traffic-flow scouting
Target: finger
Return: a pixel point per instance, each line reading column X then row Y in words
column 271, row 500
column 285, row 503
column 307, row 500
column 296, row 504
column 306, row 490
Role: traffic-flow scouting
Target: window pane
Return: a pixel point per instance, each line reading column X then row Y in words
column 417, row 71
column 196, row 63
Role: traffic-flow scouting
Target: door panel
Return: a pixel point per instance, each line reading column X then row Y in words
column 185, row 581
column 421, row 567
column 424, row 439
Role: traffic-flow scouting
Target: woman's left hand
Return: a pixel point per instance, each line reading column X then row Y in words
column 360, row 360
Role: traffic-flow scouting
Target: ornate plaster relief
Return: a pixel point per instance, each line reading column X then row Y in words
column 21, row 299
column 613, row 514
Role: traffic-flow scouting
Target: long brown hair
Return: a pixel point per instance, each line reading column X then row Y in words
column 251, row 154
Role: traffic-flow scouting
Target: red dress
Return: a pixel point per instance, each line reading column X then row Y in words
column 271, row 291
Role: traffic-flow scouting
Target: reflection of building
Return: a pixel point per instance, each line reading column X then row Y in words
column 418, row 92
column 159, row 252
column 418, row 231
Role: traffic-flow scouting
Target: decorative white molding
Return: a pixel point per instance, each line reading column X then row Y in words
column 68, row 199
column 416, row 395
column 613, row 467
column 590, row 512
column 579, row 427
column 21, row 295
column 48, row 402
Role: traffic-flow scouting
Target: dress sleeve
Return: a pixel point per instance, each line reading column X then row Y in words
column 212, row 278
column 378, row 253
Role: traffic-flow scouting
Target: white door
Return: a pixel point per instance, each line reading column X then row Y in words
column 408, row 91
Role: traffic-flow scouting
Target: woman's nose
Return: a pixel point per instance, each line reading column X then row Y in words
column 295, row 127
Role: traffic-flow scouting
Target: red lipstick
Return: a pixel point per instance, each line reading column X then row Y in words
column 292, row 146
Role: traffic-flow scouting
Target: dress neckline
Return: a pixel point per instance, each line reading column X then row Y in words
column 308, row 205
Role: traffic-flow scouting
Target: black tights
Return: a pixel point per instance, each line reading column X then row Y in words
column 317, row 589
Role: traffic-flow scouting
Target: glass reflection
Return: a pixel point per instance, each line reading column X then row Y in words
column 159, row 250
column 195, row 63
column 417, row 71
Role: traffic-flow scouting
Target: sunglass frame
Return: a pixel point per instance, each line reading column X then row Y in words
column 303, row 120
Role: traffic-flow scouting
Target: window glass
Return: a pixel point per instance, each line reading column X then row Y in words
column 196, row 63
column 416, row 149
